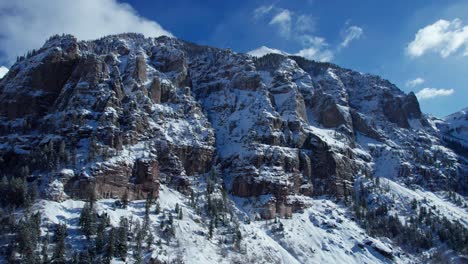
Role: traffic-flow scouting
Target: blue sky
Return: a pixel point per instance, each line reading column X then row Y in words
column 425, row 42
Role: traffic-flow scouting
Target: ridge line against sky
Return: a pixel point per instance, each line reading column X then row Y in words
column 424, row 51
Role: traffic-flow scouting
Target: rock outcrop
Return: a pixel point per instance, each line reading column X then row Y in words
column 126, row 113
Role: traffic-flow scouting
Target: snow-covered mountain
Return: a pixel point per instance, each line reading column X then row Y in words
column 264, row 158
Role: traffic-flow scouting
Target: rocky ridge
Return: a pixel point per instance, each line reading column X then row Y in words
column 125, row 113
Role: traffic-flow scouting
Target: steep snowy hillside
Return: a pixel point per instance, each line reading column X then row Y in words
column 259, row 158
column 322, row 233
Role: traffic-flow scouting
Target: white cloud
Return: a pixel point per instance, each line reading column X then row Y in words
column 308, row 40
column 3, row 71
column 262, row 10
column 305, row 23
column 415, row 82
column 350, row 34
column 299, row 28
column 315, row 48
column 283, row 21
column 428, row 93
column 443, row 37
column 27, row 24
column 317, row 54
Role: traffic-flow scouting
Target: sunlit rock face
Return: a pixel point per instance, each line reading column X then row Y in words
column 126, row 113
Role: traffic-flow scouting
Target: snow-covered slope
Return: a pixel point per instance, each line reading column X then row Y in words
column 344, row 160
column 322, row 233
column 3, row 71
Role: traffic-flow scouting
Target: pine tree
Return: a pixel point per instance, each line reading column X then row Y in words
column 149, row 240
column 28, row 233
column 32, row 193
column 63, row 155
column 281, row 227
column 150, row 197
column 93, row 149
column 210, row 230
column 36, row 226
column 110, row 249
column 137, row 254
column 100, row 236
column 24, row 239
column 136, row 230
column 88, row 220
column 121, row 238
column 26, row 199
column 146, row 220
column 60, row 250
column 180, row 215
column 192, row 198
column 414, row 204
column 158, row 208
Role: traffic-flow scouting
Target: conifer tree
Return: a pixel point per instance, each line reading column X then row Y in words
column 210, row 230
column 139, row 233
column 110, row 249
column 88, row 220
column 180, row 215
column 121, row 238
column 149, row 240
column 60, row 249
column 100, row 236
column 157, row 209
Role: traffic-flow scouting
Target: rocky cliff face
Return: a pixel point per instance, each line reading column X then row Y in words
column 126, row 113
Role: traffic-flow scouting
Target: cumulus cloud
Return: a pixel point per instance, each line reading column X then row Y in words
column 27, row 24
column 351, row 33
column 443, row 37
column 428, row 93
column 3, row 71
column 415, row 82
column 283, row 21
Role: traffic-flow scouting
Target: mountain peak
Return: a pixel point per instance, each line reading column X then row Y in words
column 462, row 114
